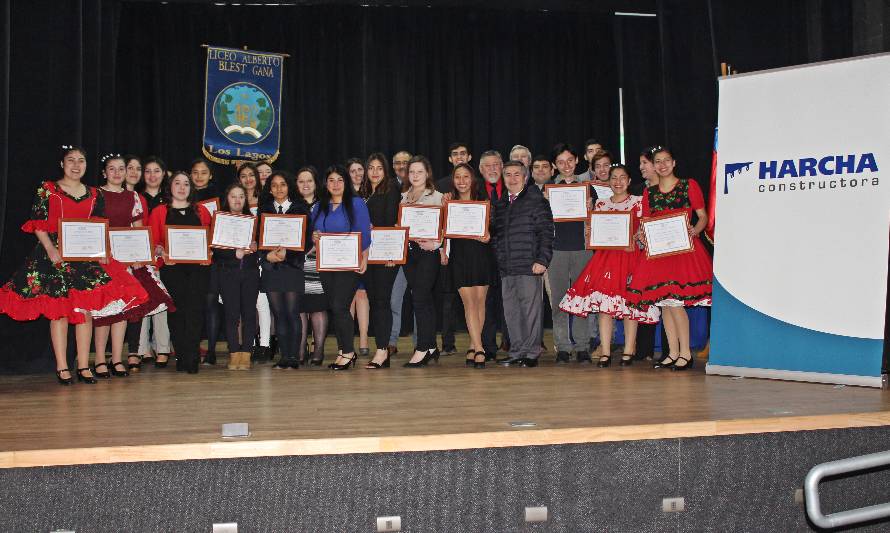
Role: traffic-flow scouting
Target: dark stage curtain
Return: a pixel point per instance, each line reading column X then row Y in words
column 375, row 79
column 639, row 75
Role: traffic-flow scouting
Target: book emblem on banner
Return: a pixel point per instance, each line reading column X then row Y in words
column 243, row 113
column 731, row 169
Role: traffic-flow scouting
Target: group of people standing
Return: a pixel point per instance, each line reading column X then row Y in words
column 500, row 278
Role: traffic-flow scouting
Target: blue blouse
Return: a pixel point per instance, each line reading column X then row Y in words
column 337, row 221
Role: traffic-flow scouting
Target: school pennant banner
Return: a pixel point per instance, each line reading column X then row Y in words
column 242, row 104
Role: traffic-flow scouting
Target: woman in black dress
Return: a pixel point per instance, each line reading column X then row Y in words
column 282, row 278
column 383, row 208
column 471, row 264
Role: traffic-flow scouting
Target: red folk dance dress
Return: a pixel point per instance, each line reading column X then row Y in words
column 122, row 209
column 602, row 285
column 682, row 280
column 68, row 289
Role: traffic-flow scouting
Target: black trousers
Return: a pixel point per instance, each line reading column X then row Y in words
column 379, row 280
column 132, row 336
column 340, row 289
column 445, row 298
column 239, row 288
column 494, row 319
column 187, row 285
column 421, row 271
column 646, row 341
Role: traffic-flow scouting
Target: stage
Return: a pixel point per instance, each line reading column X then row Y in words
column 161, row 415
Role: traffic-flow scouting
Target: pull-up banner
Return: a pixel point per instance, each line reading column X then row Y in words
column 242, row 103
column 800, row 264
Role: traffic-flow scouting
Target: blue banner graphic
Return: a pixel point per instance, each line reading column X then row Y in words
column 242, row 104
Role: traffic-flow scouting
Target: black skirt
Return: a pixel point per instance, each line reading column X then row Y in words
column 471, row 263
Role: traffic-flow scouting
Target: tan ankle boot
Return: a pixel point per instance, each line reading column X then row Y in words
column 244, row 362
column 234, row 360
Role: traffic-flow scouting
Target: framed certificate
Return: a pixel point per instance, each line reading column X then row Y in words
column 388, row 245
column 667, row 235
column 188, row 244
column 422, row 221
column 602, row 192
column 609, row 230
column 466, row 220
column 232, row 231
column 568, row 201
column 339, row 251
column 131, row 245
column 211, row 204
column 83, row 239
column 284, row 231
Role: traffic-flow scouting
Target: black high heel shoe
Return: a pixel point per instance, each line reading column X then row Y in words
column 627, row 359
column 377, row 366
column 104, row 374
column 64, row 381
column 434, row 355
column 688, row 363
column 86, row 379
column 119, row 373
column 471, row 361
column 605, row 361
column 664, row 362
column 316, row 362
column 162, row 364
column 479, row 364
column 345, row 366
column 423, row 362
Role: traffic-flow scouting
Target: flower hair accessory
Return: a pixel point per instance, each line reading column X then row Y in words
column 657, row 148
column 67, row 147
column 106, row 157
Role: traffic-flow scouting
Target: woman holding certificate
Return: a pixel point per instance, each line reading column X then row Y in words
column 471, row 264
column 282, row 277
column 675, row 280
column 602, row 285
column 423, row 258
column 125, row 209
column 339, row 211
column 383, row 208
column 183, row 261
column 63, row 291
column 236, row 276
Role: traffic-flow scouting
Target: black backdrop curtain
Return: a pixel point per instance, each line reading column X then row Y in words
column 374, row 79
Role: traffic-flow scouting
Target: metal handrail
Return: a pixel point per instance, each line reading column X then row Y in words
column 834, row 468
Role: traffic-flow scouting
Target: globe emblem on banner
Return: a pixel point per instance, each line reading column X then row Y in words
column 243, row 113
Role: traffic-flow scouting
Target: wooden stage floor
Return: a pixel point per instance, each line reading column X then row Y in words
column 160, row 414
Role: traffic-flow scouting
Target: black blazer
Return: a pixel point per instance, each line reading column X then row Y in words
column 384, row 208
column 292, row 258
